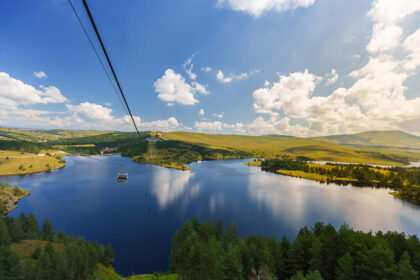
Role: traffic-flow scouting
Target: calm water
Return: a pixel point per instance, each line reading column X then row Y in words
column 139, row 217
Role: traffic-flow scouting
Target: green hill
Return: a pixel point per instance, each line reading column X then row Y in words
column 376, row 139
column 310, row 148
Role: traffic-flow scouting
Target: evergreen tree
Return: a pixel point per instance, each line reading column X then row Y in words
column 219, row 230
column 229, row 266
column 316, row 255
column 314, row 275
column 10, row 265
column 31, row 227
column 47, row 231
column 108, row 258
column 5, row 239
column 345, row 268
column 405, row 270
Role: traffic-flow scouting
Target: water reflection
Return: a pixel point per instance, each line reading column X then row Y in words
column 168, row 185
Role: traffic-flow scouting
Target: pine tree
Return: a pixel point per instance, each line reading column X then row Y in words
column 231, row 264
column 314, row 275
column 219, row 230
column 31, row 227
column 5, row 239
column 47, row 231
column 108, row 258
column 405, row 270
column 345, row 268
column 316, row 255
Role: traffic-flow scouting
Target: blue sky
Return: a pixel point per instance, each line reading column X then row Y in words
column 295, row 67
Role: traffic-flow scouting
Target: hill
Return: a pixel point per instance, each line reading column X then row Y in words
column 308, row 148
column 375, row 139
column 45, row 135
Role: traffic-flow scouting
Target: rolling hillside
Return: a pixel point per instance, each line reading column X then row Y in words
column 376, row 139
column 268, row 146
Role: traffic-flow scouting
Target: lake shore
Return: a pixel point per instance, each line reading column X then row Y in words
column 14, row 163
column 9, row 197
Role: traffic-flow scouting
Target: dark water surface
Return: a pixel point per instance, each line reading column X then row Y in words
column 139, row 217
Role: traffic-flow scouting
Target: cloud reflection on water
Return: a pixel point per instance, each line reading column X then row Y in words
column 168, row 185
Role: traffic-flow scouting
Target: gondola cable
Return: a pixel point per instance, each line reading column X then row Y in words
column 97, row 55
column 109, row 63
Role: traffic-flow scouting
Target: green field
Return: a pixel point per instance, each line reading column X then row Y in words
column 269, row 147
column 385, row 139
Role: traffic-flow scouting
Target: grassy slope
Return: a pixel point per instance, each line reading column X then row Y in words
column 30, row 163
column 393, row 138
column 268, row 146
column 9, row 198
column 26, row 248
column 48, row 135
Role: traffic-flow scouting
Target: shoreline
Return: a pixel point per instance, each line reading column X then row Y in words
column 31, row 173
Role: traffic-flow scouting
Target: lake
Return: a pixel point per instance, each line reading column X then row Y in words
column 139, row 217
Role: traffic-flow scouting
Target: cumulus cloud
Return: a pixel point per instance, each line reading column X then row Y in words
column 333, row 77
column 208, row 125
column 289, row 94
column 218, row 115
column 376, row 99
column 40, row 75
column 201, row 112
column 172, row 87
column 14, row 92
column 257, row 7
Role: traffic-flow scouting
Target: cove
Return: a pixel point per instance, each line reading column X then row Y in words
column 139, row 217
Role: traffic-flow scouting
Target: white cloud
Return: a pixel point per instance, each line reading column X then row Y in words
column 201, row 112
column 386, row 35
column 290, row 94
column 188, row 67
column 218, row 115
column 266, row 83
column 333, row 77
column 208, row 125
column 172, row 87
column 207, row 69
column 40, row 75
column 14, row 92
column 257, row 7
column 228, row 79
column 199, row 88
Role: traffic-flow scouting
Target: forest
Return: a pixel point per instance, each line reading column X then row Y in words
column 21, row 146
column 204, row 251
column 55, row 256
column 406, row 181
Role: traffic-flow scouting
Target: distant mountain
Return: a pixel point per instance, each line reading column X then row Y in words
column 375, row 139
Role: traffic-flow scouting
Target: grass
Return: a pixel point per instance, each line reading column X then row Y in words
column 312, row 176
column 253, row 163
column 269, row 147
column 27, row 247
column 9, row 196
column 394, row 138
column 17, row 163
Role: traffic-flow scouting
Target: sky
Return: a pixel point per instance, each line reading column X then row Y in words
column 290, row 67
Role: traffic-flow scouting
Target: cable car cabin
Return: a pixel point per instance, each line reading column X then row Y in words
column 122, row 177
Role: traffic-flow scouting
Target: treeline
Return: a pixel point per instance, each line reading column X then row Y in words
column 21, row 146
column 57, row 256
column 126, row 141
column 404, row 180
column 183, row 153
column 202, row 251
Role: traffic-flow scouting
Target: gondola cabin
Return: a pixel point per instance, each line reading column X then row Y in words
column 122, row 176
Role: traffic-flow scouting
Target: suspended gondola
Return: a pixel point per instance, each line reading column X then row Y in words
column 122, row 176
